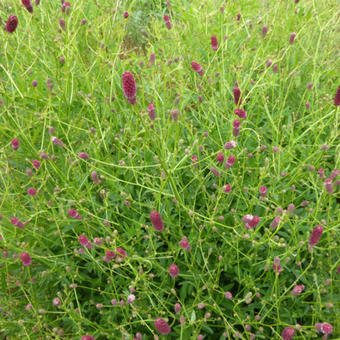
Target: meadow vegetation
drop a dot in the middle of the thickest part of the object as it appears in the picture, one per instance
(168, 169)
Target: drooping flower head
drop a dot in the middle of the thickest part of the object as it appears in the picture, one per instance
(12, 23)
(292, 37)
(197, 68)
(129, 87)
(156, 220)
(162, 326)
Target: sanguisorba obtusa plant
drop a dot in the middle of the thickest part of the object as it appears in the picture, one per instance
(169, 170)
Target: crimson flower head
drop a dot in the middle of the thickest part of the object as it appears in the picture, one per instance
(152, 58)
(173, 270)
(214, 43)
(83, 155)
(337, 97)
(292, 37)
(275, 222)
(288, 333)
(184, 243)
(87, 337)
(263, 190)
(151, 111)
(220, 157)
(250, 221)
(66, 7)
(197, 68)
(62, 23)
(230, 161)
(156, 220)
(36, 164)
(277, 268)
(326, 328)
(15, 144)
(15, 221)
(237, 95)
(236, 127)
(167, 22)
(31, 191)
(264, 30)
(227, 188)
(74, 214)
(28, 5)
(12, 23)
(315, 235)
(121, 253)
(241, 113)
(297, 290)
(162, 326)
(83, 240)
(25, 258)
(230, 145)
(215, 172)
(126, 14)
(129, 87)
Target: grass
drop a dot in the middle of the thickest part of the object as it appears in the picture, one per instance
(146, 165)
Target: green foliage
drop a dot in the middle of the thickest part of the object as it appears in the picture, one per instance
(146, 165)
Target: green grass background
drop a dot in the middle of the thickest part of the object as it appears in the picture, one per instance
(150, 166)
